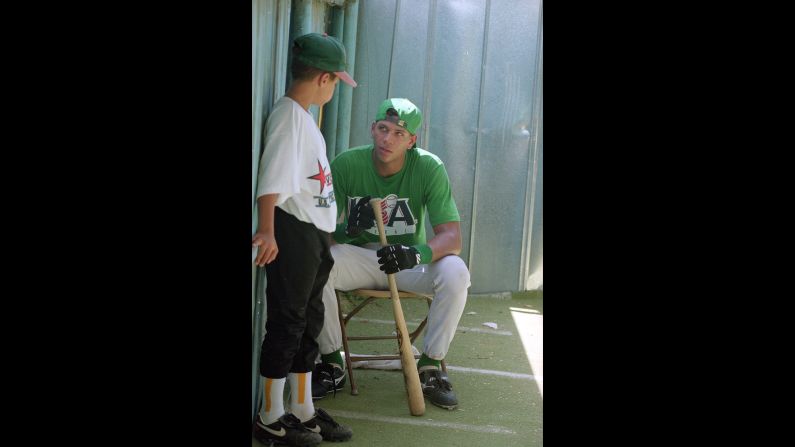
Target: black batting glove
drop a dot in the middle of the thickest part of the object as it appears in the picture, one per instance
(395, 258)
(360, 218)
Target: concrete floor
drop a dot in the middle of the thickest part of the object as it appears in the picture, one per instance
(496, 373)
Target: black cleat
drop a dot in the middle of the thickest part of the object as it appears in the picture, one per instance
(326, 378)
(328, 428)
(287, 430)
(437, 387)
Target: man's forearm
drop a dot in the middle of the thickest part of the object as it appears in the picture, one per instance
(447, 240)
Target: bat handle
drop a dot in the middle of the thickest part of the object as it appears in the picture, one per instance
(376, 205)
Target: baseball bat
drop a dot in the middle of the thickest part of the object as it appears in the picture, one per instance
(412, 378)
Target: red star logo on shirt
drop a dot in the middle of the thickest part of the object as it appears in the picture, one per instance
(320, 176)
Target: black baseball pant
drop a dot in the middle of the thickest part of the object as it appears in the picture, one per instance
(294, 296)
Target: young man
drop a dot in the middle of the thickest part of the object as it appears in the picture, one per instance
(410, 180)
(297, 213)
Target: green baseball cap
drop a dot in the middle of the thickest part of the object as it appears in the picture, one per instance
(408, 115)
(324, 52)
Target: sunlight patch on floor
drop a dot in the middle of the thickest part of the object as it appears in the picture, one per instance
(530, 325)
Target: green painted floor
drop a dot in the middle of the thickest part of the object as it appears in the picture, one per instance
(496, 373)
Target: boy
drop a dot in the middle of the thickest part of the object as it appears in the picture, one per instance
(297, 213)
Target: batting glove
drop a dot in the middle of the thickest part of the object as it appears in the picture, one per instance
(360, 218)
(395, 258)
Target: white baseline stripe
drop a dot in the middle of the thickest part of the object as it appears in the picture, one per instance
(483, 331)
(460, 328)
(495, 373)
(395, 365)
(434, 424)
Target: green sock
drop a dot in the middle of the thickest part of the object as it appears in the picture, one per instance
(428, 363)
(335, 358)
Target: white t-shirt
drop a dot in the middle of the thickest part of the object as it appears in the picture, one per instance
(294, 165)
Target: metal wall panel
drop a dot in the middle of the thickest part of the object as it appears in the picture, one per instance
(454, 102)
(373, 40)
(308, 16)
(471, 66)
(407, 69)
(535, 269)
(503, 145)
(534, 217)
(270, 25)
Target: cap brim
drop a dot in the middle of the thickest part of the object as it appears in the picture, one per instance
(346, 78)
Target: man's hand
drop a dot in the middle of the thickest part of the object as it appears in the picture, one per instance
(394, 258)
(360, 218)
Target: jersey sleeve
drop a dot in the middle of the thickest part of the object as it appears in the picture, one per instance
(439, 196)
(339, 173)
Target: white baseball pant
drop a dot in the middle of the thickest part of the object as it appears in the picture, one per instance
(447, 279)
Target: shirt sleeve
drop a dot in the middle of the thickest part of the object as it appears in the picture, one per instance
(439, 197)
(338, 173)
(278, 170)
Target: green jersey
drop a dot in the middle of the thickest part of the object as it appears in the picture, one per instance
(422, 185)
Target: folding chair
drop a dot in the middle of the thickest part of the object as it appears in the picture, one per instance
(370, 296)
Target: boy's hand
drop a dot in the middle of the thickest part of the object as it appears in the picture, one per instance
(267, 248)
